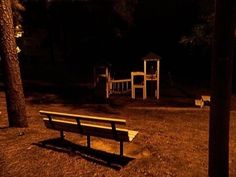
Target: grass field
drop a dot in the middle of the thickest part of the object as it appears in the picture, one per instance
(172, 141)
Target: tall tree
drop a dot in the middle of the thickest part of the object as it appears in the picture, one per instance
(221, 88)
(13, 84)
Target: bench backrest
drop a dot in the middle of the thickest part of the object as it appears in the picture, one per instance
(84, 117)
(54, 121)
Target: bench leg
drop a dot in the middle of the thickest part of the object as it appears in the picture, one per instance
(88, 141)
(121, 148)
(62, 134)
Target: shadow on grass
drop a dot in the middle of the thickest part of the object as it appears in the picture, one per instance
(41, 93)
(100, 157)
(3, 127)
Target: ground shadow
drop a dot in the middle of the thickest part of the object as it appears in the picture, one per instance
(51, 93)
(100, 157)
(103, 109)
(3, 127)
(60, 93)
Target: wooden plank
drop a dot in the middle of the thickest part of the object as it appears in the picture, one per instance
(138, 86)
(88, 129)
(199, 103)
(84, 117)
(121, 80)
(132, 134)
(138, 73)
(151, 77)
(206, 98)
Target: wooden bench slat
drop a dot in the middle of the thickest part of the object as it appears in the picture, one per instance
(88, 129)
(132, 134)
(84, 117)
(84, 124)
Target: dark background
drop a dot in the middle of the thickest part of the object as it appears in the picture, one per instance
(65, 39)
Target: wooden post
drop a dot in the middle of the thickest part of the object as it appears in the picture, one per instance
(114, 87)
(158, 79)
(132, 86)
(118, 87)
(145, 80)
(107, 82)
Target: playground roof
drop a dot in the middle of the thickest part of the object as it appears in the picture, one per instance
(151, 56)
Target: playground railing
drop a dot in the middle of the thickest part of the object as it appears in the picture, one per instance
(120, 86)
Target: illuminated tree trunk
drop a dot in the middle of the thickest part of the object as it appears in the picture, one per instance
(13, 85)
(221, 89)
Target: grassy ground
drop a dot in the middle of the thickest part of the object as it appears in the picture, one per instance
(171, 141)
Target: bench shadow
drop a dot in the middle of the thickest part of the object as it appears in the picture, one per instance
(100, 157)
(4, 127)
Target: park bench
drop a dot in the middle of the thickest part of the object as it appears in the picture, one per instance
(89, 126)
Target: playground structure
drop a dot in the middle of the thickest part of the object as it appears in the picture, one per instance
(146, 81)
(204, 100)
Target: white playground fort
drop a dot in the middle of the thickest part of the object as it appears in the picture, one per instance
(140, 80)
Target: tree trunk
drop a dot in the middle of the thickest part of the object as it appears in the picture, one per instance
(13, 84)
(221, 89)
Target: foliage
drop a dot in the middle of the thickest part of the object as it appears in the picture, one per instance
(125, 9)
(17, 8)
(202, 33)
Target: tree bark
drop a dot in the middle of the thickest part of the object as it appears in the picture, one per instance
(221, 89)
(13, 85)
